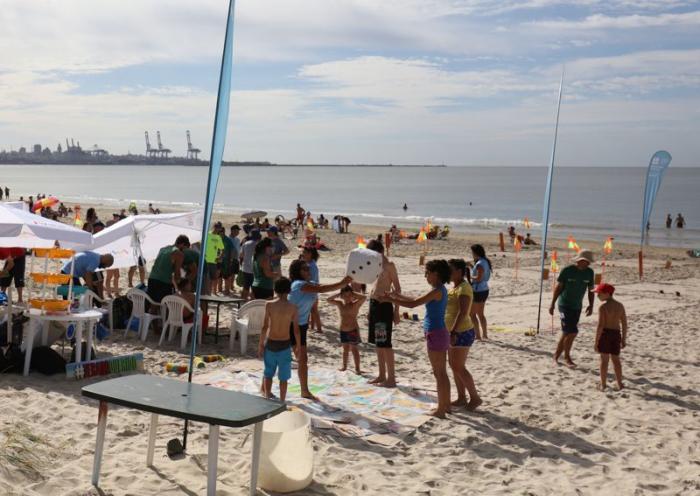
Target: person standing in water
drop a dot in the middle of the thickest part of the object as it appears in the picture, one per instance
(405, 207)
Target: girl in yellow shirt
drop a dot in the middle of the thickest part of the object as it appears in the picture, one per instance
(462, 334)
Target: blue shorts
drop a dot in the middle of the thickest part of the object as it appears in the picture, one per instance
(280, 361)
(462, 339)
(350, 337)
(569, 319)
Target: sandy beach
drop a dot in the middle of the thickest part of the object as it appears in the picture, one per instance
(541, 430)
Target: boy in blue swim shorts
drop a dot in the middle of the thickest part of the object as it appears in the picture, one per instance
(275, 347)
(349, 303)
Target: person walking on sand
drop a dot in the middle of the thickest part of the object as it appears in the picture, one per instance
(574, 282)
(462, 335)
(669, 221)
(437, 338)
(611, 334)
(383, 314)
(481, 273)
(303, 295)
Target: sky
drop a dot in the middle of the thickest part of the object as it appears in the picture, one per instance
(455, 82)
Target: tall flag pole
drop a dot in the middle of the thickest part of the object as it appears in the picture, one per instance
(655, 173)
(217, 152)
(547, 198)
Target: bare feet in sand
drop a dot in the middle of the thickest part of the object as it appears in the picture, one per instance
(358, 371)
(601, 387)
(438, 413)
(474, 404)
(620, 386)
(570, 363)
(342, 369)
(309, 396)
(460, 402)
(387, 384)
(377, 380)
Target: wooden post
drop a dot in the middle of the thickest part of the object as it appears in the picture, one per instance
(641, 263)
(501, 242)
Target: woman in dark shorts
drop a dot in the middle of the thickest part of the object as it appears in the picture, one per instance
(481, 273)
(263, 277)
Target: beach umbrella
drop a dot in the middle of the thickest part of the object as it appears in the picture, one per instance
(254, 214)
(22, 229)
(143, 236)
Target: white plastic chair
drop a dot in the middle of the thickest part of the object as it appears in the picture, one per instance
(87, 302)
(247, 320)
(173, 307)
(138, 310)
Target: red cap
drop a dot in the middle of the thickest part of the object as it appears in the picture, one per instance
(604, 288)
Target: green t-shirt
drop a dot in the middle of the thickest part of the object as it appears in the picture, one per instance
(163, 266)
(215, 245)
(576, 284)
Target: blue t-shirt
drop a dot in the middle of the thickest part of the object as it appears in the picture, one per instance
(435, 313)
(87, 261)
(303, 301)
(482, 285)
(313, 272)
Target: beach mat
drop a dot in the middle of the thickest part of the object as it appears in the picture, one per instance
(348, 406)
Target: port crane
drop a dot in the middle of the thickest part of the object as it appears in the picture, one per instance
(150, 152)
(191, 151)
(163, 151)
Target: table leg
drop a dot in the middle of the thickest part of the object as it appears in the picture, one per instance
(255, 462)
(29, 344)
(90, 329)
(216, 331)
(152, 439)
(101, 427)
(78, 342)
(213, 457)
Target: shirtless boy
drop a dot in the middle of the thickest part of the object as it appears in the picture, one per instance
(349, 303)
(276, 350)
(611, 335)
(383, 314)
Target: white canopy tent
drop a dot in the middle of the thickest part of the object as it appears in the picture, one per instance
(143, 235)
(22, 229)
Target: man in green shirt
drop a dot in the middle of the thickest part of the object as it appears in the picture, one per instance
(212, 257)
(165, 274)
(573, 283)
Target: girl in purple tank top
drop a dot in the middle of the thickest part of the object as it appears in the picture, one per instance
(437, 273)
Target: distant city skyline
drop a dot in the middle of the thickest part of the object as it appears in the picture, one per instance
(459, 82)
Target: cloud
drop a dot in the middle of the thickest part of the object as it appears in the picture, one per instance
(600, 22)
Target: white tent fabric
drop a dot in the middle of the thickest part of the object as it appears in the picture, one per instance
(22, 229)
(144, 235)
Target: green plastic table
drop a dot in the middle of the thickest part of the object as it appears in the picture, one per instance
(174, 398)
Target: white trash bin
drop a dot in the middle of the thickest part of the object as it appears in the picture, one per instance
(286, 454)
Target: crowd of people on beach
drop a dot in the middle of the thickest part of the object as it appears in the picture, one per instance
(455, 298)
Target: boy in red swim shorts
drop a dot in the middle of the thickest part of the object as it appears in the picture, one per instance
(611, 335)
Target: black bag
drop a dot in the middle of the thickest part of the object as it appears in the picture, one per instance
(121, 311)
(47, 361)
(17, 326)
(12, 361)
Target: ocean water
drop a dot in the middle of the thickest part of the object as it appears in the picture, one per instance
(586, 202)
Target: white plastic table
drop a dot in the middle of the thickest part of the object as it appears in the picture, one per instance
(82, 320)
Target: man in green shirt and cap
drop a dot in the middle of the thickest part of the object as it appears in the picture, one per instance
(573, 283)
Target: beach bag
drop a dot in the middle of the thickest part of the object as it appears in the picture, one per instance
(121, 311)
(47, 361)
(83, 353)
(12, 361)
(17, 330)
